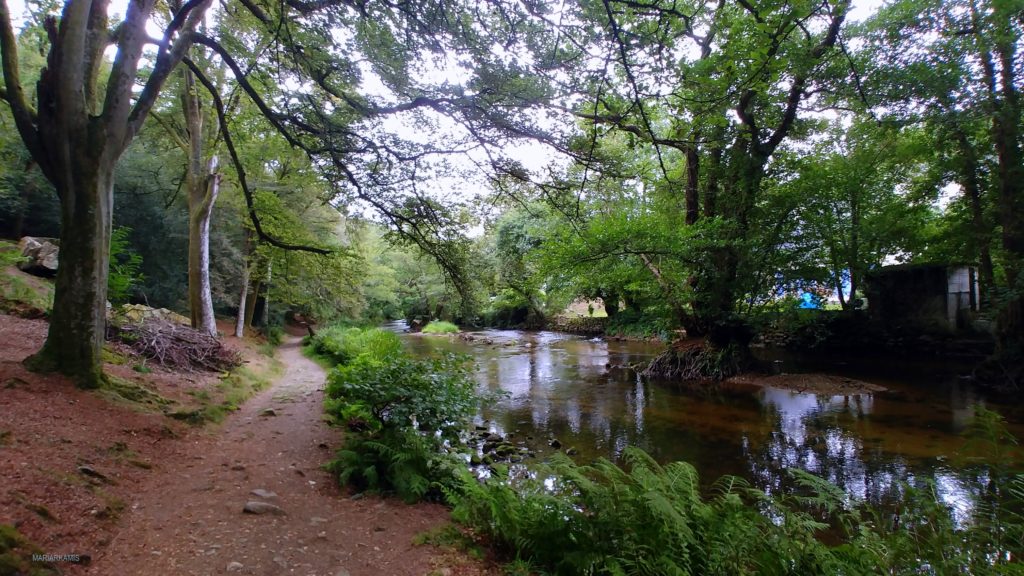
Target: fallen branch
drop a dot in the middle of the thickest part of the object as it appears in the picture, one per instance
(175, 346)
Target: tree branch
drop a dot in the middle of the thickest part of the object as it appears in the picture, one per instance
(14, 93)
(168, 56)
(240, 169)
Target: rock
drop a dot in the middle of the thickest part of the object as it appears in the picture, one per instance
(269, 412)
(572, 452)
(92, 473)
(139, 313)
(505, 450)
(263, 493)
(257, 507)
(555, 443)
(42, 254)
(234, 567)
(476, 460)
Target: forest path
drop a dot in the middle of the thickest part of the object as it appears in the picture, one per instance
(188, 517)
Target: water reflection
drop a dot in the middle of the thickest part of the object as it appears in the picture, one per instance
(571, 389)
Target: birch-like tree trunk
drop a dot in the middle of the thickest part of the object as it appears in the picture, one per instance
(203, 183)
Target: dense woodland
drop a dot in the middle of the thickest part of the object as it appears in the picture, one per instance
(693, 164)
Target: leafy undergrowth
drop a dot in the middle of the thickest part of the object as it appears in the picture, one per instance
(399, 412)
(440, 327)
(341, 344)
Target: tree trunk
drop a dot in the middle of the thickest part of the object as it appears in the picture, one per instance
(199, 290)
(78, 322)
(203, 188)
(250, 304)
(982, 232)
(266, 294)
(243, 301)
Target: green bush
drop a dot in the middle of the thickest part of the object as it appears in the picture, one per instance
(647, 323)
(124, 274)
(440, 327)
(274, 335)
(399, 411)
(398, 460)
(341, 344)
(394, 391)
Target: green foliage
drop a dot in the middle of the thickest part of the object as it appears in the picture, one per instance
(652, 321)
(399, 411)
(124, 267)
(645, 518)
(437, 394)
(440, 327)
(399, 460)
(341, 344)
(274, 335)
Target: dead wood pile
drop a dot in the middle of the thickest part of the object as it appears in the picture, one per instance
(177, 347)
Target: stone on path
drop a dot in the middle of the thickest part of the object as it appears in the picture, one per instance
(256, 507)
(263, 493)
(234, 567)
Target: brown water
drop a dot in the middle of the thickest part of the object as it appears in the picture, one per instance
(560, 387)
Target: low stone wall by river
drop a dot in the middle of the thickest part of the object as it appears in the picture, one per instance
(587, 325)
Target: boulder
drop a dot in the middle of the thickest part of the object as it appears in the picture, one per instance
(139, 313)
(42, 255)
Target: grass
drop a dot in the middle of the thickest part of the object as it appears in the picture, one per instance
(134, 394)
(440, 327)
(228, 395)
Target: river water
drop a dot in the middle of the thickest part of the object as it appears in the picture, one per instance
(560, 387)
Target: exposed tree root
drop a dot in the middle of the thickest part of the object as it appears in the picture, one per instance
(691, 361)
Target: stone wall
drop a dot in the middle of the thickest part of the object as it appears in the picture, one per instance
(587, 325)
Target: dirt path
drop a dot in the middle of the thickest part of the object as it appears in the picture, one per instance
(188, 518)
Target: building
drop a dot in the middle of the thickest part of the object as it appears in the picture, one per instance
(940, 297)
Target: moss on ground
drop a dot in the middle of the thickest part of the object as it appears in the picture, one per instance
(16, 555)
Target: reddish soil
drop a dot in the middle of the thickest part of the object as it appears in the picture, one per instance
(171, 496)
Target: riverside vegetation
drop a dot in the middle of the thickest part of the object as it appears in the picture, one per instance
(641, 517)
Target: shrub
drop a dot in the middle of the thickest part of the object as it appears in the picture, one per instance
(402, 461)
(440, 327)
(647, 323)
(400, 411)
(125, 262)
(341, 344)
(394, 391)
(274, 335)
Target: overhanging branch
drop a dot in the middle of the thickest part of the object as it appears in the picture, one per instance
(240, 169)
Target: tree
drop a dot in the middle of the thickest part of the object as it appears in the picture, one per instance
(959, 68)
(722, 85)
(75, 134)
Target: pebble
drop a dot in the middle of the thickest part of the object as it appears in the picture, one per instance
(234, 567)
(262, 493)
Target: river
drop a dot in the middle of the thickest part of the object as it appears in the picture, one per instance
(560, 387)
